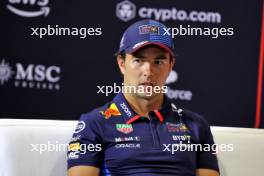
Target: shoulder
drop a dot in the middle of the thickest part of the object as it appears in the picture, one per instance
(91, 122)
(197, 124)
(95, 115)
(194, 117)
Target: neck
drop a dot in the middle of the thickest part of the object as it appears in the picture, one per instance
(143, 106)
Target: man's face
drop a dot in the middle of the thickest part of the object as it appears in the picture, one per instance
(147, 68)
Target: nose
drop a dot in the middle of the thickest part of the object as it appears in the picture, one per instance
(147, 69)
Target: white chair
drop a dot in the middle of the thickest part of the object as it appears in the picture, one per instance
(19, 158)
(19, 155)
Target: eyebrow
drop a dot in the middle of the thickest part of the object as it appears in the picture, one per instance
(160, 56)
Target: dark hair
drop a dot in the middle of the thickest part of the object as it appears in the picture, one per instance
(123, 54)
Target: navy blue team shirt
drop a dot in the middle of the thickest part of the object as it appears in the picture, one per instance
(120, 142)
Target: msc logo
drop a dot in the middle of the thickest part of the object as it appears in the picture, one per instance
(37, 73)
(31, 76)
(5, 72)
(39, 7)
(125, 10)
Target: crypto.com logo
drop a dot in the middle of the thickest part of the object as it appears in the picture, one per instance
(38, 7)
(125, 10)
(31, 75)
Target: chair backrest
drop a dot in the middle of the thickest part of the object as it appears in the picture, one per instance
(20, 140)
(247, 158)
(37, 148)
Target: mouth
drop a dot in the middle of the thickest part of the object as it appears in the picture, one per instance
(146, 84)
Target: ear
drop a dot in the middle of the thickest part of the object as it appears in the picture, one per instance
(121, 64)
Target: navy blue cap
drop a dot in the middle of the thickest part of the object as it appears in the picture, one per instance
(146, 32)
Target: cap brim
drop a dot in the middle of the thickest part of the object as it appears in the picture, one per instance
(133, 50)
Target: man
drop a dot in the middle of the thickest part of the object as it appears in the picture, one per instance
(139, 132)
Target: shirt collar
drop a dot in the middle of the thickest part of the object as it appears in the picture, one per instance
(131, 116)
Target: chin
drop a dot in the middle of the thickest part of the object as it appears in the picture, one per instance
(145, 96)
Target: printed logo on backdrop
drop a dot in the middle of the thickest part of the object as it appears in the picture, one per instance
(174, 93)
(5, 72)
(125, 10)
(29, 8)
(30, 75)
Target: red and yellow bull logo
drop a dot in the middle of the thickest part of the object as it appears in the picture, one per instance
(179, 127)
(111, 111)
(148, 29)
(75, 147)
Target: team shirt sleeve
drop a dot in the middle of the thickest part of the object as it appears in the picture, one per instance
(85, 147)
(207, 159)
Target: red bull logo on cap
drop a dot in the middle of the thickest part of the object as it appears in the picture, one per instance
(148, 29)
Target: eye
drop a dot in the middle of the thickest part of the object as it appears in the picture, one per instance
(159, 62)
(136, 60)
